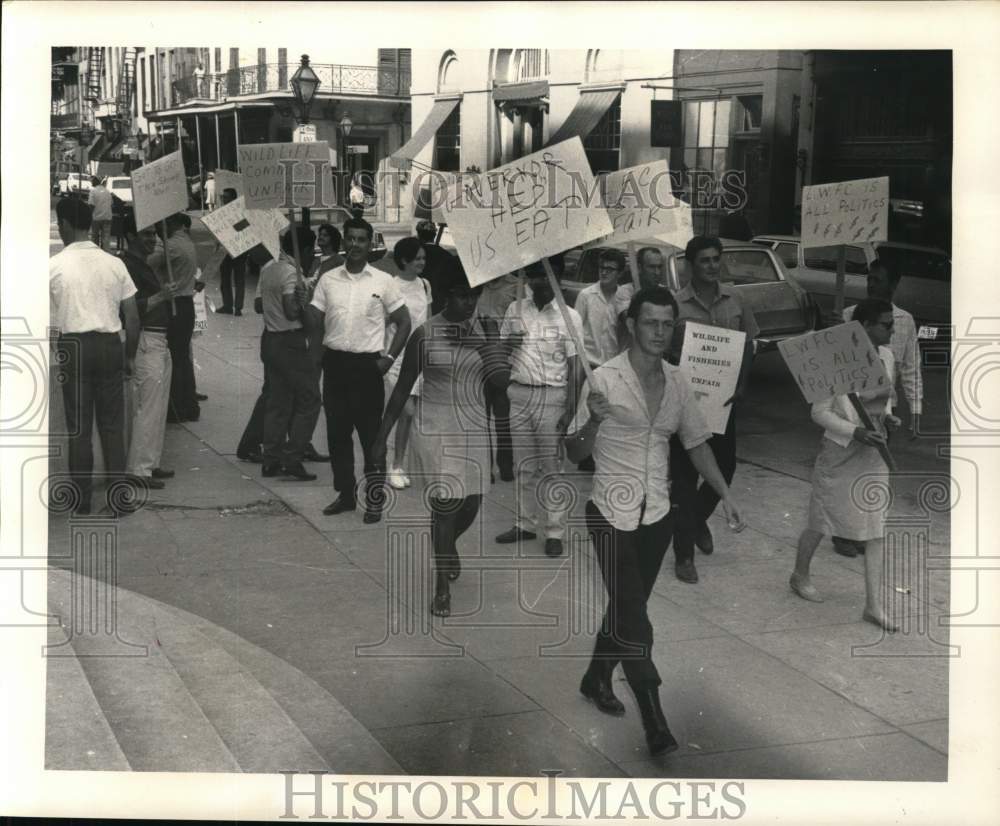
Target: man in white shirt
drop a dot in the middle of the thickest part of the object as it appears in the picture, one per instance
(100, 202)
(596, 306)
(636, 403)
(543, 394)
(350, 309)
(88, 289)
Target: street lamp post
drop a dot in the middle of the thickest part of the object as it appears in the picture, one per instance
(304, 84)
(345, 127)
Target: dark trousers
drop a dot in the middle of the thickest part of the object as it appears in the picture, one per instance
(292, 401)
(93, 385)
(353, 397)
(630, 562)
(498, 408)
(231, 272)
(694, 503)
(183, 402)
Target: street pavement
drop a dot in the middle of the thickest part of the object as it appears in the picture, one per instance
(252, 633)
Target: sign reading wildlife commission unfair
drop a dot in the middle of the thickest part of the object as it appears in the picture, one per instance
(159, 189)
(286, 175)
(833, 361)
(516, 214)
(850, 212)
(711, 360)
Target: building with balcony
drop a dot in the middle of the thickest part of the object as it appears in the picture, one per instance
(208, 101)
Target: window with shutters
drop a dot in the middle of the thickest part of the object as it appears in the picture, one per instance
(603, 144)
(394, 71)
(448, 143)
(531, 63)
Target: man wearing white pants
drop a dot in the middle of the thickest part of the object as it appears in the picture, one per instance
(543, 399)
(151, 378)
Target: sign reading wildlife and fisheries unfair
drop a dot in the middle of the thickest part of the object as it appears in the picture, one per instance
(516, 214)
(641, 205)
(850, 212)
(239, 229)
(224, 179)
(286, 175)
(834, 361)
(711, 361)
(159, 189)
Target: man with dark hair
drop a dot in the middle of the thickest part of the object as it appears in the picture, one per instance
(596, 306)
(292, 377)
(90, 292)
(349, 312)
(636, 404)
(232, 270)
(706, 300)
(151, 377)
(652, 272)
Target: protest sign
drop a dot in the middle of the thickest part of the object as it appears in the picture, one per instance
(710, 360)
(286, 175)
(523, 211)
(849, 212)
(641, 206)
(159, 189)
(224, 179)
(833, 361)
(239, 229)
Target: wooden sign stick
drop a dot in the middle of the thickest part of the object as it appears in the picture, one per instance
(866, 420)
(633, 261)
(295, 244)
(570, 326)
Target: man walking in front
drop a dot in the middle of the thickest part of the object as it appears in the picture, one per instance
(100, 200)
(90, 292)
(350, 310)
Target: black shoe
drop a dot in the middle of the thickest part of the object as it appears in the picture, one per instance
(515, 534)
(238, 312)
(270, 469)
(372, 515)
(507, 474)
(339, 505)
(250, 456)
(658, 736)
(313, 456)
(160, 473)
(596, 686)
(151, 483)
(553, 547)
(703, 539)
(300, 473)
(201, 397)
(224, 310)
(686, 572)
(845, 547)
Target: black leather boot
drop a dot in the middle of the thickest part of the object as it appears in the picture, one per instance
(658, 736)
(596, 686)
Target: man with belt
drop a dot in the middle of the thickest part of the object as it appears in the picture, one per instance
(90, 291)
(349, 312)
(183, 269)
(292, 399)
(543, 398)
(151, 377)
(706, 300)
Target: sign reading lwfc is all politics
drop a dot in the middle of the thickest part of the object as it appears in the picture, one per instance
(711, 360)
(849, 212)
(159, 189)
(286, 175)
(834, 361)
(518, 213)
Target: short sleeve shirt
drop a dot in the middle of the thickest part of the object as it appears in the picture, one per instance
(183, 263)
(86, 288)
(542, 357)
(355, 307)
(727, 310)
(277, 279)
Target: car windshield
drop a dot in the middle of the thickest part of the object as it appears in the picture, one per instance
(917, 263)
(121, 185)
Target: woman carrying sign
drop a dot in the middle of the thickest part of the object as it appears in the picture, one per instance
(848, 455)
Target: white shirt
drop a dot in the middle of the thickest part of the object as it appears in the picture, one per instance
(600, 323)
(547, 346)
(277, 279)
(100, 200)
(355, 308)
(416, 296)
(86, 288)
(632, 447)
(906, 353)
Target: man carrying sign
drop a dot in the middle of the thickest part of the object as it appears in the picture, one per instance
(708, 301)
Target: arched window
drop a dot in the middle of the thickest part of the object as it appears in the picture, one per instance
(530, 64)
(605, 65)
(448, 81)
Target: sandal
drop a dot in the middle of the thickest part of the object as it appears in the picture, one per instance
(804, 589)
(441, 605)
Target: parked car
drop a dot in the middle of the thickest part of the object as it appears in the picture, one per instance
(782, 308)
(924, 288)
(337, 216)
(120, 187)
(75, 182)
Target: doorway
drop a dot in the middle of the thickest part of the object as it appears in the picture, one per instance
(361, 158)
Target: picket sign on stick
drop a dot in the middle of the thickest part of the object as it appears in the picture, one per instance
(295, 245)
(866, 420)
(570, 326)
(633, 261)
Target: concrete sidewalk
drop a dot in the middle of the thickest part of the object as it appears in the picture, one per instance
(271, 629)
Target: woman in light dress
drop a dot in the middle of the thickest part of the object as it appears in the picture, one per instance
(849, 458)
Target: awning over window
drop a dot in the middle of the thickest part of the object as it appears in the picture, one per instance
(589, 109)
(403, 157)
(529, 91)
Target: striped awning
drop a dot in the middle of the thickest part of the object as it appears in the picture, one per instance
(403, 157)
(525, 92)
(589, 109)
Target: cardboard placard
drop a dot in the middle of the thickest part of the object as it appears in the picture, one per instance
(641, 205)
(710, 360)
(224, 179)
(239, 229)
(834, 361)
(286, 175)
(849, 212)
(159, 189)
(523, 211)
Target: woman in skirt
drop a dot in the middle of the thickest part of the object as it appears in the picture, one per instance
(848, 455)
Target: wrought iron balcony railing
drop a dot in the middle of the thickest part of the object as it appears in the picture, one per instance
(275, 77)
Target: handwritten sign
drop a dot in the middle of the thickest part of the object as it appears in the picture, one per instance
(224, 179)
(286, 175)
(850, 212)
(516, 214)
(641, 206)
(833, 361)
(159, 189)
(711, 359)
(239, 229)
